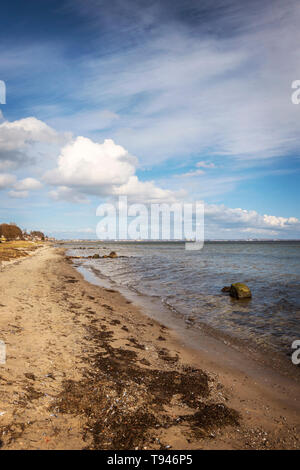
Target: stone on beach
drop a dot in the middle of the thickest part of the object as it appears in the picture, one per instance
(240, 291)
(112, 254)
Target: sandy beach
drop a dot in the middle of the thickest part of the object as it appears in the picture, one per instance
(87, 369)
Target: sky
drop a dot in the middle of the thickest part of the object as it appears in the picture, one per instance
(162, 101)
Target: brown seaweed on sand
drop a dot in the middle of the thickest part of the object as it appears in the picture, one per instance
(126, 405)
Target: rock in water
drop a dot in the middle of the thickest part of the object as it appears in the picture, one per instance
(113, 254)
(240, 291)
(96, 256)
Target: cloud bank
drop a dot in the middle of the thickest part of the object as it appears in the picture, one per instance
(87, 169)
(250, 222)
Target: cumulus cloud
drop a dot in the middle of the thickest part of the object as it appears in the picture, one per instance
(106, 169)
(17, 133)
(19, 189)
(92, 166)
(249, 221)
(282, 222)
(147, 192)
(28, 184)
(17, 138)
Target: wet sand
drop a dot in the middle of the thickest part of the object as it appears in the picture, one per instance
(87, 369)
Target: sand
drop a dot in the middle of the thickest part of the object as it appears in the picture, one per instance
(87, 369)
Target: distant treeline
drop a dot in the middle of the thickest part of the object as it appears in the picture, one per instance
(13, 232)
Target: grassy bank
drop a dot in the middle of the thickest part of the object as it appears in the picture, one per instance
(17, 249)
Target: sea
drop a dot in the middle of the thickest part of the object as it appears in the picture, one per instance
(189, 283)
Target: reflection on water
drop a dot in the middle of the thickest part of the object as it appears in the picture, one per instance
(191, 281)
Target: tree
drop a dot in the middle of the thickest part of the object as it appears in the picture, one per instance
(37, 234)
(10, 231)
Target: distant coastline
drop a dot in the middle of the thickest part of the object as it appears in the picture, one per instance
(210, 240)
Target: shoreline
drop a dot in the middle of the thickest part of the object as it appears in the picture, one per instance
(249, 327)
(86, 368)
(201, 336)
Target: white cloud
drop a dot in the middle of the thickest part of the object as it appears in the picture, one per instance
(280, 222)
(248, 221)
(107, 169)
(17, 139)
(28, 184)
(147, 192)
(15, 135)
(92, 166)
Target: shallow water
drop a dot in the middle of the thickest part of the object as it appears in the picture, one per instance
(190, 282)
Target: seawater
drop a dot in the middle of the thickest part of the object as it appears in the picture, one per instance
(190, 283)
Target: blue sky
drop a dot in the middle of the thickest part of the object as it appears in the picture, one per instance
(162, 101)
